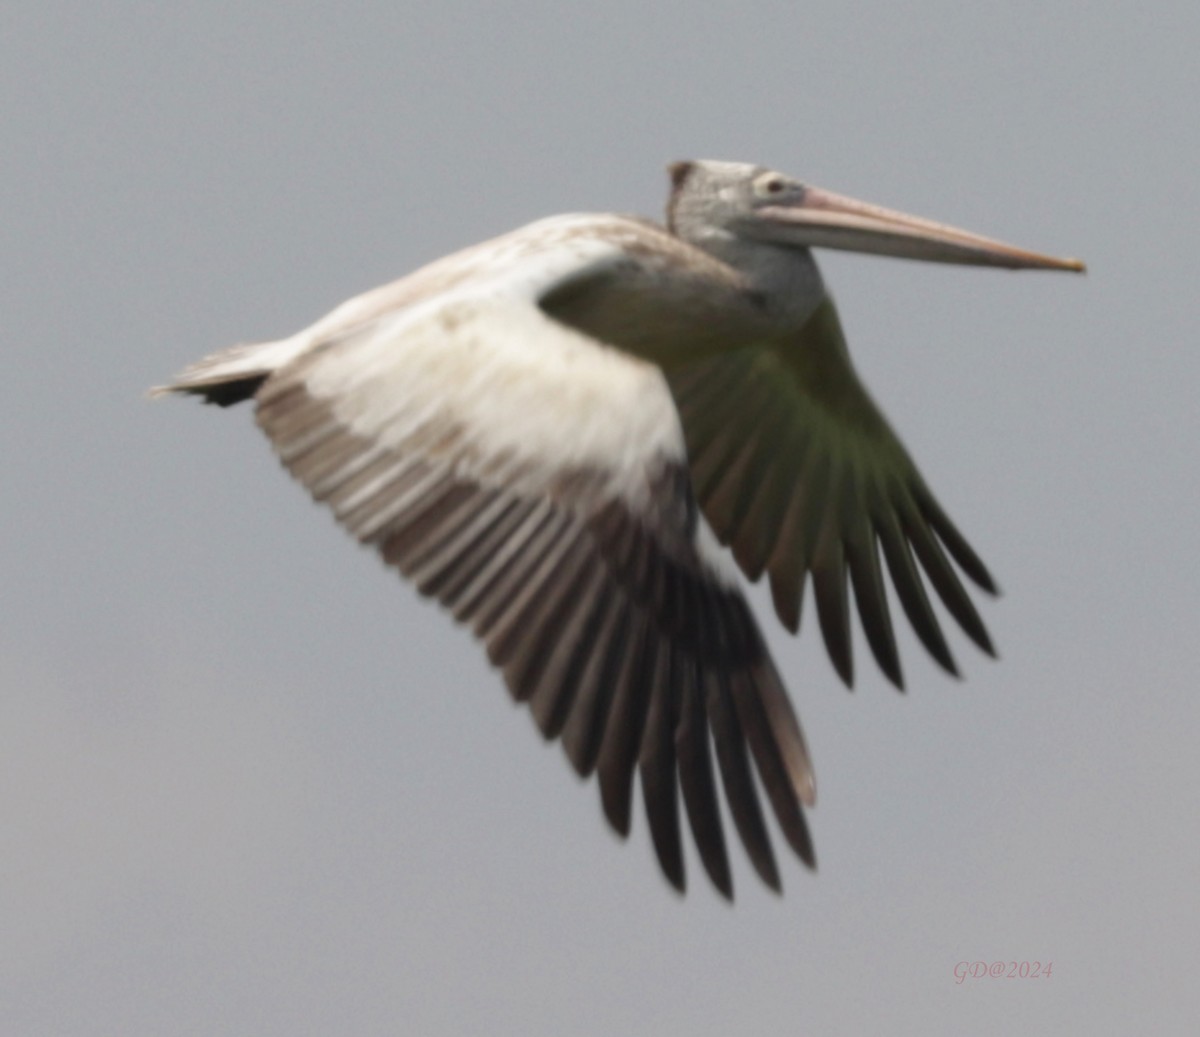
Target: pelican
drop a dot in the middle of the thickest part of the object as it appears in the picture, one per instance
(562, 434)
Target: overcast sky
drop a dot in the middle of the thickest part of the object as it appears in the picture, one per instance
(251, 784)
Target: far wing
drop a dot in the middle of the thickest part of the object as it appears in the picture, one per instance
(797, 470)
(534, 483)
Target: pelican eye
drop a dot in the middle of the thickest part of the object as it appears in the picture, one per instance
(772, 184)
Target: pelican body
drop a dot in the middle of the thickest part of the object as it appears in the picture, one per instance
(562, 434)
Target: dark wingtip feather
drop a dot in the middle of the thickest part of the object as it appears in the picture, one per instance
(947, 665)
(834, 619)
(955, 542)
(722, 880)
(888, 658)
(657, 767)
(911, 592)
(944, 579)
(871, 597)
(801, 842)
(740, 793)
(786, 597)
(618, 814)
(696, 779)
(977, 632)
(779, 753)
(624, 728)
(583, 735)
(616, 800)
(828, 568)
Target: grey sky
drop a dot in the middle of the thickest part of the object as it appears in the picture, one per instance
(251, 784)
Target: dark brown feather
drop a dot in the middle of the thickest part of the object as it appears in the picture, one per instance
(943, 578)
(738, 781)
(870, 594)
(623, 732)
(524, 641)
(757, 700)
(584, 732)
(570, 651)
(696, 781)
(657, 767)
(829, 590)
(911, 590)
(955, 542)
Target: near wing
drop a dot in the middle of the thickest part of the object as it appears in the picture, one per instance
(797, 470)
(535, 483)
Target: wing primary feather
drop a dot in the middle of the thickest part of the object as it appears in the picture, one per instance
(573, 643)
(779, 753)
(829, 589)
(911, 590)
(656, 763)
(862, 557)
(943, 578)
(584, 731)
(955, 542)
(764, 523)
(696, 780)
(538, 620)
(787, 594)
(738, 780)
(731, 496)
(788, 564)
(520, 583)
(626, 723)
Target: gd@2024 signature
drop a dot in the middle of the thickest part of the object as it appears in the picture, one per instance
(1002, 970)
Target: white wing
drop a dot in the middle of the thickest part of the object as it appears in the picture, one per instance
(535, 483)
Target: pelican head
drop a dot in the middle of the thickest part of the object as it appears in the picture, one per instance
(722, 206)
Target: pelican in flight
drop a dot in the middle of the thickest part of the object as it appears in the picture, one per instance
(560, 435)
